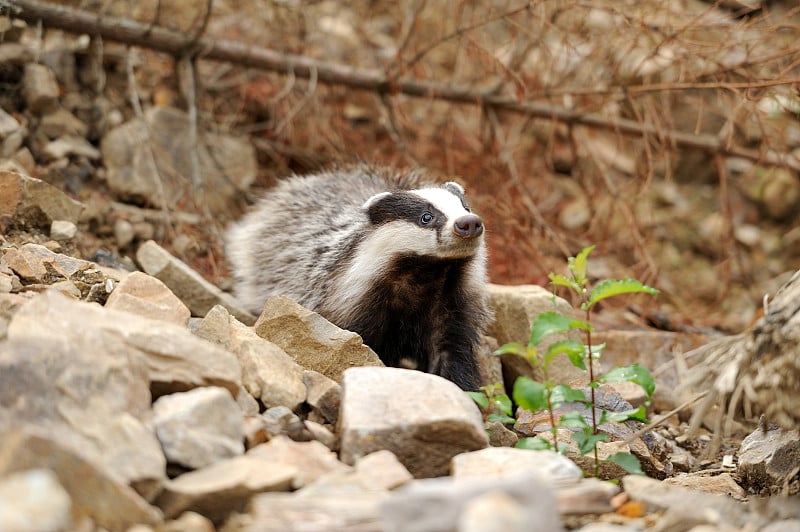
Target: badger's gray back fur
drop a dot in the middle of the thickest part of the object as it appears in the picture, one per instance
(375, 252)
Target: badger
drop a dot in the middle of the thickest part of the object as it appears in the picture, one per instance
(387, 254)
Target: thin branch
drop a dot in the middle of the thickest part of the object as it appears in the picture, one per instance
(177, 44)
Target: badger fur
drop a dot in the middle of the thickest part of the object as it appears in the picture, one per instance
(391, 256)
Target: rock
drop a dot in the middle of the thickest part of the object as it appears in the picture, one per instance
(34, 500)
(280, 421)
(268, 373)
(97, 401)
(39, 88)
(311, 459)
(279, 512)
(382, 470)
(225, 487)
(227, 163)
(95, 494)
(35, 263)
(780, 192)
(61, 230)
(319, 432)
(8, 125)
(314, 342)
(14, 53)
(495, 511)
(187, 522)
(31, 202)
(549, 466)
(124, 232)
(423, 419)
(255, 431)
(439, 504)
(719, 511)
(722, 484)
(199, 427)
(768, 459)
(500, 435)
(197, 293)
(70, 145)
(146, 296)
(60, 123)
(176, 360)
(515, 308)
(324, 395)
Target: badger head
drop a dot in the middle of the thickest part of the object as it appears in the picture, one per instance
(431, 222)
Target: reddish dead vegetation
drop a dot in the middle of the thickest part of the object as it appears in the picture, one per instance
(664, 132)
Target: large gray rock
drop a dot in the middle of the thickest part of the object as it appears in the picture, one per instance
(768, 459)
(314, 342)
(515, 308)
(94, 492)
(268, 373)
(34, 500)
(96, 400)
(443, 504)
(149, 160)
(199, 427)
(176, 360)
(423, 419)
(197, 293)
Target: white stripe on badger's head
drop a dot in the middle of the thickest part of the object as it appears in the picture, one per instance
(422, 222)
(412, 222)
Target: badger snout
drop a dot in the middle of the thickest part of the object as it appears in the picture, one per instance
(468, 226)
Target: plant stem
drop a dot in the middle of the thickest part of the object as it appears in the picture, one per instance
(591, 386)
(553, 430)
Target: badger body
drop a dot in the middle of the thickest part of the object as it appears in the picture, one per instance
(392, 256)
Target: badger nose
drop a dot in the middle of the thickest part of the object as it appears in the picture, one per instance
(468, 226)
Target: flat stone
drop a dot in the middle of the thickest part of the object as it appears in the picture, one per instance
(268, 373)
(553, 467)
(146, 296)
(96, 401)
(722, 484)
(31, 202)
(199, 427)
(197, 293)
(311, 459)
(61, 230)
(94, 493)
(441, 421)
(225, 487)
(382, 470)
(60, 123)
(441, 503)
(324, 395)
(768, 459)
(314, 342)
(149, 160)
(39, 88)
(176, 360)
(70, 145)
(34, 500)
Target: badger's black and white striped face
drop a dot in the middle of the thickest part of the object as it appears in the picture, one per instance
(431, 222)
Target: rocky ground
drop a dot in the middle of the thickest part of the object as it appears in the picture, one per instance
(136, 395)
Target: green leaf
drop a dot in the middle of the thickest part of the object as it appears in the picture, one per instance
(529, 394)
(514, 348)
(574, 349)
(564, 394)
(573, 420)
(535, 444)
(502, 418)
(560, 280)
(577, 265)
(633, 373)
(628, 462)
(552, 322)
(587, 441)
(614, 287)
(480, 399)
(502, 403)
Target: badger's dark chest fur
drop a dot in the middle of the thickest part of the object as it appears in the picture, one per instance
(417, 315)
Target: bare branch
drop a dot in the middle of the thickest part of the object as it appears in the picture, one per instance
(177, 44)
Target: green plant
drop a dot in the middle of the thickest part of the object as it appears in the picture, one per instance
(495, 403)
(547, 395)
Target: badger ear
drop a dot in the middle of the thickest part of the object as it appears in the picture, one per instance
(374, 199)
(454, 187)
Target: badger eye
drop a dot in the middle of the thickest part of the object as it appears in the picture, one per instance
(426, 218)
